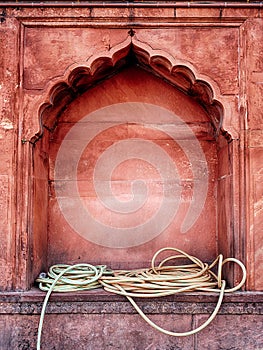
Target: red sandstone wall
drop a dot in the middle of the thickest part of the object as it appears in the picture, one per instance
(41, 52)
(37, 47)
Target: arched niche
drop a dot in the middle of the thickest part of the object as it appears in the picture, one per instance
(184, 121)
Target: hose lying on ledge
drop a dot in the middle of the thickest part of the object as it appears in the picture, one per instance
(156, 281)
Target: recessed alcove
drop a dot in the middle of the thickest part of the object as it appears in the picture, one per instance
(132, 116)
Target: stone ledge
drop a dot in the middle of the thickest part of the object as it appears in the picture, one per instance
(131, 11)
(100, 302)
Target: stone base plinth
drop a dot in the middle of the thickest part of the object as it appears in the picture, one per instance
(98, 320)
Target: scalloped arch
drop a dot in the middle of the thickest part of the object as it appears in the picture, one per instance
(79, 77)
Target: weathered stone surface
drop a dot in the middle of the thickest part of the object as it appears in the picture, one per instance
(56, 50)
(93, 332)
(255, 72)
(118, 326)
(231, 332)
(258, 234)
(197, 12)
(60, 64)
(8, 89)
(240, 13)
(132, 85)
(200, 47)
(100, 302)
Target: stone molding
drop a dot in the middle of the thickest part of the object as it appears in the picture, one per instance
(30, 303)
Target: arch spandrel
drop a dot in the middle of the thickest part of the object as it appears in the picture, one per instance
(79, 77)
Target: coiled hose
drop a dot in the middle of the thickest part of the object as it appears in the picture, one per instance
(156, 281)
